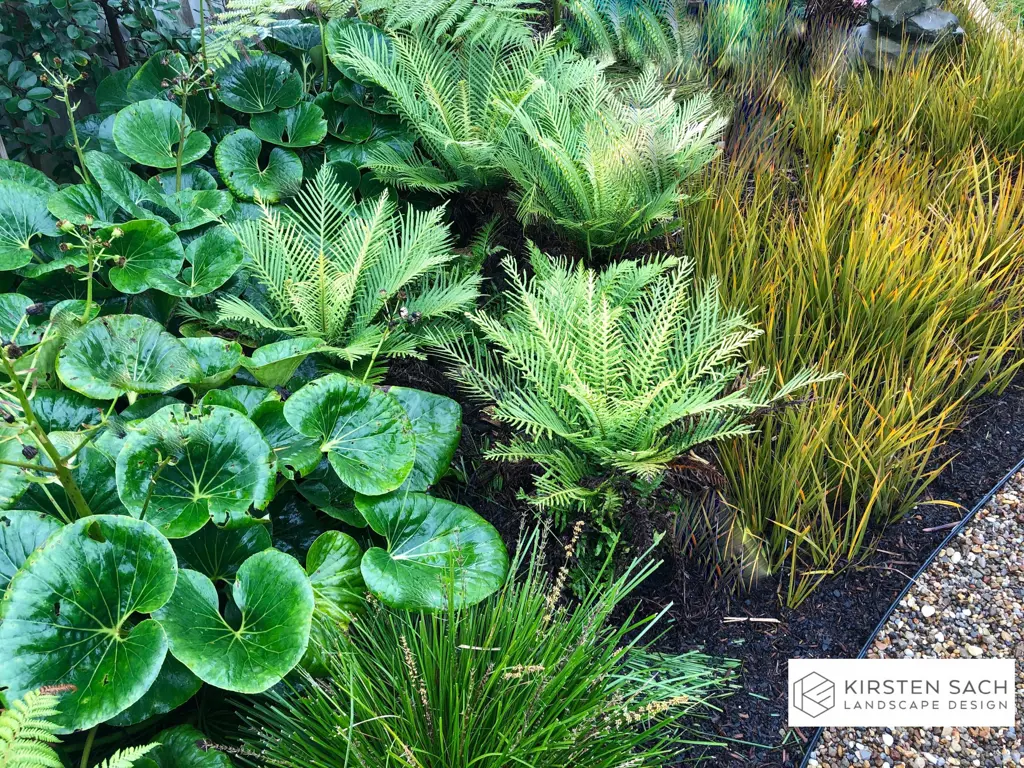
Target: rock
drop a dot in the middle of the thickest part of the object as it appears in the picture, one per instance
(974, 650)
(881, 52)
(887, 739)
(890, 14)
(928, 610)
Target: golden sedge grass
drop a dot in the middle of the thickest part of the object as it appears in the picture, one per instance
(881, 234)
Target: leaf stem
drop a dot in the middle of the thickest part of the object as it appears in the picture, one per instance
(181, 140)
(323, 53)
(84, 762)
(64, 475)
(202, 34)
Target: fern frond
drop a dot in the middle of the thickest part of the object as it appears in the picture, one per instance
(26, 732)
(610, 375)
(125, 758)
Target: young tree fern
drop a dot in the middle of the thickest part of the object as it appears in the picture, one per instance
(361, 277)
(452, 95)
(608, 168)
(637, 33)
(612, 375)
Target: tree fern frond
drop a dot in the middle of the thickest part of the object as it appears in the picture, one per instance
(125, 758)
(27, 731)
(611, 374)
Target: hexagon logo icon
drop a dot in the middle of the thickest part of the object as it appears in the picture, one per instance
(814, 694)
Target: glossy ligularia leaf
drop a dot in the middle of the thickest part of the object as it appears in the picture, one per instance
(148, 81)
(324, 490)
(23, 217)
(213, 258)
(275, 605)
(69, 617)
(364, 432)
(259, 84)
(93, 471)
(242, 397)
(13, 480)
(144, 246)
(338, 592)
(295, 525)
(22, 532)
(187, 464)
(81, 204)
(194, 207)
(293, 451)
(11, 170)
(439, 553)
(301, 126)
(193, 178)
(238, 160)
(145, 407)
(333, 567)
(120, 185)
(173, 687)
(346, 173)
(371, 97)
(61, 410)
(437, 425)
(96, 132)
(29, 328)
(183, 747)
(218, 358)
(218, 551)
(121, 354)
(295, 33)
(112, 91)
(148, 132)
(273, 364)
(357, 125)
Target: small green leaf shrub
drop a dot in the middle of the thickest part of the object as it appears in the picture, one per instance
(611, 376)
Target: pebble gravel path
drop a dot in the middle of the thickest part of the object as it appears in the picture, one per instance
(969, 603)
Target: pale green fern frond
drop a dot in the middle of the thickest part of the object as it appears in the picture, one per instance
(125, 758)
(609, 377)
(27, 731)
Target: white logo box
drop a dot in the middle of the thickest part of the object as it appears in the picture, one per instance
(916, 693)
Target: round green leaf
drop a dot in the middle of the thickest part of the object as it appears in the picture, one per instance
(187, 464)
(218, 551)
(23, 216)
(173, 687)
(346, 173)
(364, 432)
(259, 84)
(148, 132)
(338, 592)
(437, 425)
(438, 552)
(239, 163)
(191, 178)
(275, 603)
(121, 354)
(61, 410)
(293, 451)
(213, 258)
(182, 747)
(112, 91)
(333, 567)
(120, 185)
(218, 358)
(294, 524)
(13, 480)
(30, 328)
(93, 471)
(144, 246)
(11, 170)
(301, 126)
(21, 533)
(324, 490)
(147, 82)
(78, 201)
(298, 34)
(357, 125)
(273, 364)
(242, 397)
(194, 207)
(67, 617)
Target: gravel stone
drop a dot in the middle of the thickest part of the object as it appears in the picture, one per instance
(969, 603)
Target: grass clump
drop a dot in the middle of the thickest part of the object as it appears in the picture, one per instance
(519, 679)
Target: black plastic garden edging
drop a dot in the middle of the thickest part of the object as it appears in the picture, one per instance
(913, 580)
